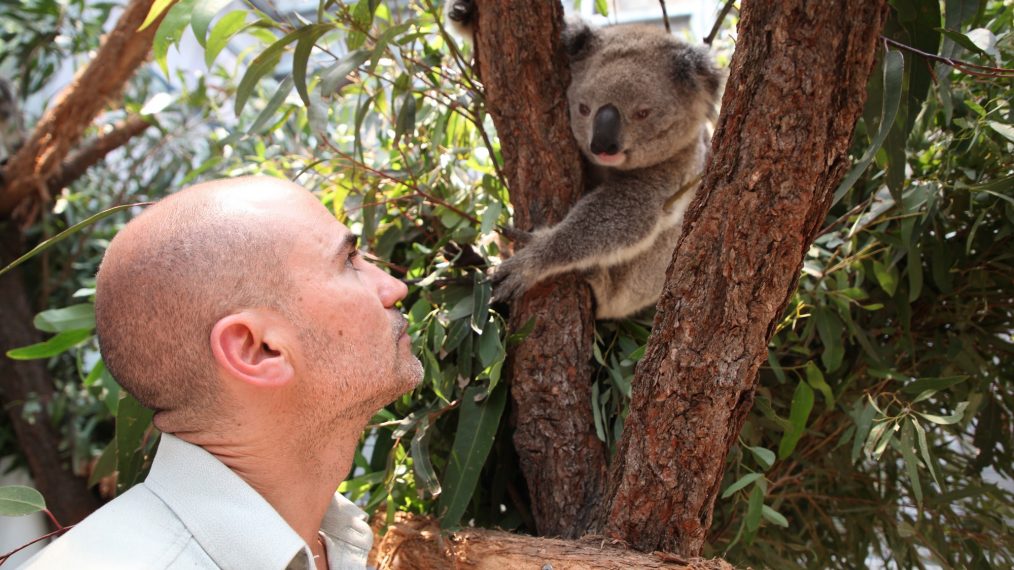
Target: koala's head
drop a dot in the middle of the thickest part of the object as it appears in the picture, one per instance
(637, 96)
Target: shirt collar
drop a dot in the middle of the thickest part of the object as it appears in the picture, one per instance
(234, 524)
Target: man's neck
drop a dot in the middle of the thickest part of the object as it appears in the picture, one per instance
(299, 482)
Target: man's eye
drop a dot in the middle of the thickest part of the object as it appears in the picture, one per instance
(351, 259)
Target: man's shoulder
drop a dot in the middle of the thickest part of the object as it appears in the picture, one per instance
(135, 530)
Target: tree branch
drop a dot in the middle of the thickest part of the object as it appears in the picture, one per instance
(84, 158)
(63, 124)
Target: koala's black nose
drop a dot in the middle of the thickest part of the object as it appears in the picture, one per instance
(606, 131)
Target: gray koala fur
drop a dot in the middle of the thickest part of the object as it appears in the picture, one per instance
(639, 102)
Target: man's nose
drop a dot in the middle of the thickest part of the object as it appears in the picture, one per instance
(390, 289)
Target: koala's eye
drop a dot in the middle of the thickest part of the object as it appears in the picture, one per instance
(584, 110)
(642, 114)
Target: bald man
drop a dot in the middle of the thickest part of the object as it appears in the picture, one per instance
(242, 313)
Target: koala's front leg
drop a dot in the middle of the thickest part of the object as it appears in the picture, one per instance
(606, 227)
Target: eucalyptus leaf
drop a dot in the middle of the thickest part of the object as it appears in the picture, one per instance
(477, 425)
(19, 500)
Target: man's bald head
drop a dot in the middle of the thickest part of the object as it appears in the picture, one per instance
(172, 273)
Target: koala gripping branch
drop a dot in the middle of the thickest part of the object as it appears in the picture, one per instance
(796, 89)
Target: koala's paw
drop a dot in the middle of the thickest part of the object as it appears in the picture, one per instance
(509, 279)
(519, 237)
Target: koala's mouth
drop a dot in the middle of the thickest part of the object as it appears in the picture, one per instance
(604, 159)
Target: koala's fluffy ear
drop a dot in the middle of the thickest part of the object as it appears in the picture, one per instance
(693, 68)
(579, 39)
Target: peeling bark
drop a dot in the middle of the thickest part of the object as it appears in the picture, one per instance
(796, 90)
(525, 73)
(416, 543)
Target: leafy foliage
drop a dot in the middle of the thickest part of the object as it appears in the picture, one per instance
(881, 432)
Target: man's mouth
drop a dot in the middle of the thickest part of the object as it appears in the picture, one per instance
(401, 327)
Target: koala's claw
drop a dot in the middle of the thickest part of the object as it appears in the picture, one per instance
(519, 237)
(508, 280)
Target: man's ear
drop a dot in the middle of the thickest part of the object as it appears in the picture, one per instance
(250, 347)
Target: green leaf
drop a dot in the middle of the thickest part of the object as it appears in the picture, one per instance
(894, 73)
(335, 77)
(600, 429)
(157, 8)
(1004, 129)
(170, 31)
(477, 427)
(755, 510)
(962, 40)
(67, 233)
(132, 421)
(204, 11)
(602, 7)
(308, 36)
(774, 516)
(106, 464)
(68, 318)
(55, 345)
(954, 418)
(829, 328)
(924, 449)
(263, 119)
(935, 384)
(764, 456)
(802, 403)
(406, 118)
(262, 65)
(911, 463)
(228, 26)
(863, 425)
(18, 500)
(480, 302)
(741, 483)
(887, 277)
(426, 477)
(816, 380)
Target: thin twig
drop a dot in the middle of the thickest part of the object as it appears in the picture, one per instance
(665, 17)
(958, 64)
(718, 22)
(56, 532)
(406, 183)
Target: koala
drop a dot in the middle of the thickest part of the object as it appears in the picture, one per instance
(640, 104)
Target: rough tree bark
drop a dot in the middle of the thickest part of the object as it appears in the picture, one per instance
(525, 74)
(796, 90)
(29, 174)
(416, 543)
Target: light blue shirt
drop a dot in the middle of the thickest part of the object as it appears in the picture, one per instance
(194, 512)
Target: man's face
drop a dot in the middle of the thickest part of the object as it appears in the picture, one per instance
(355, 352)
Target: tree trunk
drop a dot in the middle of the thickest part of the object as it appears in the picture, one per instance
(65, 494)
(796, 90)
(525, 73)
(416, 543)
